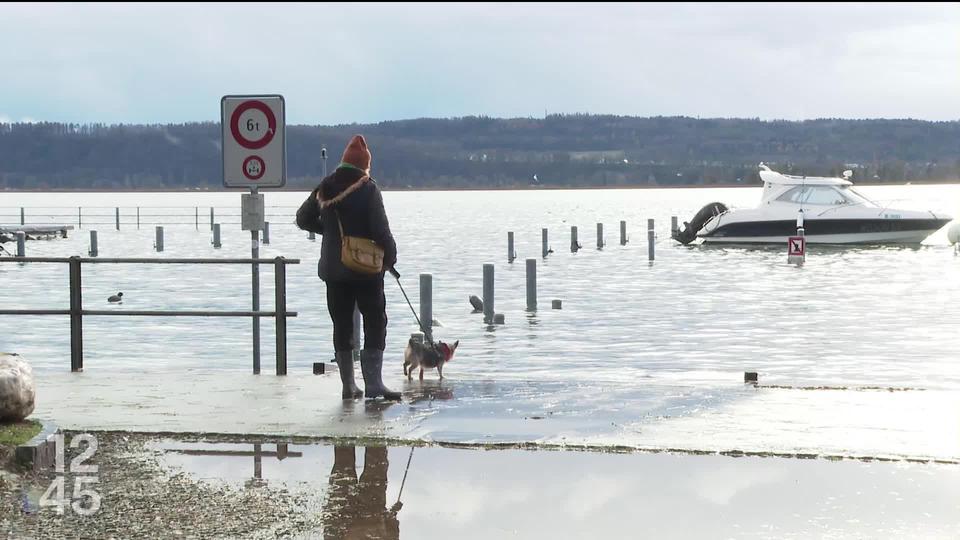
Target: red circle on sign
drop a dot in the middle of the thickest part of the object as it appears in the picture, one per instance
(235, 124)
(256, 161)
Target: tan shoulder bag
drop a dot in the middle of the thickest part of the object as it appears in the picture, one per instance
(359, 254)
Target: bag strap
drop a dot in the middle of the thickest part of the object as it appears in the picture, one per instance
(343, 194)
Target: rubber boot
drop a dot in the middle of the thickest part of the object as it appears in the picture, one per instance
(371, 365)
(345, 367)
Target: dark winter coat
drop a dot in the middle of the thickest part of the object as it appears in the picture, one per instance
(360, 206)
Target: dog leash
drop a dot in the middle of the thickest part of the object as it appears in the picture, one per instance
(426, 334)
(409, 459)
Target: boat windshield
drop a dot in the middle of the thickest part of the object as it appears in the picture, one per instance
(855, 196)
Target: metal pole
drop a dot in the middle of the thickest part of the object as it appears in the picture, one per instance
(487, 293)
(138, 218)
(79, 217)
(280, 288)
(544, 249)
(574, 245)
(255, 286)
(531, 284)
(266, 232)
(623, 233)
(651, 237)
(196, 216)
(158, 243)
(76, 316)
(21, 244)
(674, 226)
(93, 243)
(511, 255)
(211, 212)
(600, 236)
(426, 303)
(216, 237)
(23, 218)
(118, 218)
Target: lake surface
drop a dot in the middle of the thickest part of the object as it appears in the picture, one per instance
(634, 341)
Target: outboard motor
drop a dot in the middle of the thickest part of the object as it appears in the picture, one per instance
(690, 229)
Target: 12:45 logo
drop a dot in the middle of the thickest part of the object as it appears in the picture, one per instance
(85, 500)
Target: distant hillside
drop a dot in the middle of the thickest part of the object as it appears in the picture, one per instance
(561, 150)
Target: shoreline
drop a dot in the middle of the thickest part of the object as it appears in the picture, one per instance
(465, 189)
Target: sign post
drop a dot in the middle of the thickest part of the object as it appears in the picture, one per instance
(253, 142)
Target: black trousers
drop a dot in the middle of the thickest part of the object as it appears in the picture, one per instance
(368, 296)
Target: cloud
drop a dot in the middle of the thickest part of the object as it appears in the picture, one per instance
(342, 63)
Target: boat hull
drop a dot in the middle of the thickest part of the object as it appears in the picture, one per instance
(827, 231)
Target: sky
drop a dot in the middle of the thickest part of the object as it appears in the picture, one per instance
(346, 63)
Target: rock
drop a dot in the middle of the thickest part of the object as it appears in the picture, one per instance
(17, 390)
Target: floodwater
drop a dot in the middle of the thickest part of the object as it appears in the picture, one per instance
(639, 351)
(393, 492)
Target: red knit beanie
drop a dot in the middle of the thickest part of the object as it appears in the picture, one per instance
(357, 153)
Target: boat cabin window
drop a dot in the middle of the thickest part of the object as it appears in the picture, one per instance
(817, 195)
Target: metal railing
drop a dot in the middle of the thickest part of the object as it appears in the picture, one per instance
(76, 311)
(133, 216)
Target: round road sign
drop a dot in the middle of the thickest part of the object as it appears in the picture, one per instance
(253, 168)
(253, 125)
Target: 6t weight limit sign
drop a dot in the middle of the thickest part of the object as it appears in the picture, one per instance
(253, 142)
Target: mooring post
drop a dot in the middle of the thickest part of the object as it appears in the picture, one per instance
(79, 217)
(93, 243)
(574, 244)
(21, 244)
(280, 289)
(216, 235)
(76, 316)
(118, 218)
(651, 238)
(511, 254)
(196, 217)
(623, 233)
(600, 236)
(23, 216)
(674, 226)
(531, 284)
(488, 293)
(426, 304)
(357, 332)
(544, 248)
(158, 243)
(211, 218)
(138, 218)
(266, 232)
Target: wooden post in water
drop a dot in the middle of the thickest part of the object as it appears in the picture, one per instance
(159, 239)
(511, 254)
(211, 218)
(531, 284)
(544, 249)
(600, 243)
(426, 304)
(488, 293)
(21, 244)
(216, 235)
(266, 232)
(93, 244)
(651, 238)
(23, 218)
(623, 233)
(674, 226)
(574, 244)
(118, 218)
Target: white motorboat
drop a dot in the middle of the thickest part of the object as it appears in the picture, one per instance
(833, 213)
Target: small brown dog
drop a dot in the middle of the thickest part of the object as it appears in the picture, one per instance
(422, 355)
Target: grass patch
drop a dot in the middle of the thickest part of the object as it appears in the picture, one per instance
(17, 433)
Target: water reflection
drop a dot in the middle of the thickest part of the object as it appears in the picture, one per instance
(357, 507)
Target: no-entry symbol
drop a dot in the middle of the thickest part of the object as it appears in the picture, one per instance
(253, 142)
